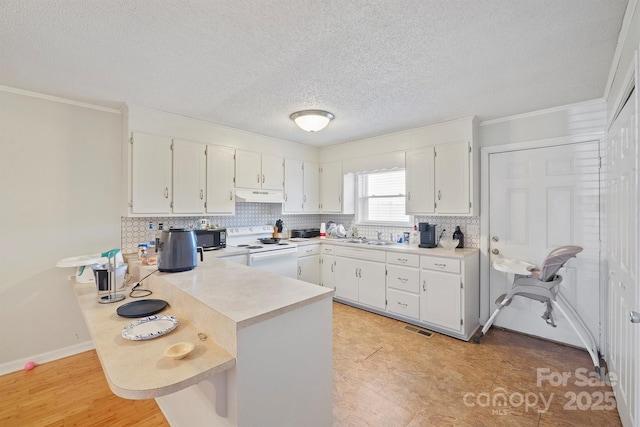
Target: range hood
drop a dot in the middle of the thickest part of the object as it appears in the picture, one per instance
(259, 196)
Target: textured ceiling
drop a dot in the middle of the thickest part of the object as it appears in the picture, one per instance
(379, 66)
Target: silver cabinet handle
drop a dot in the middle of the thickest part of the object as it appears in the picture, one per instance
(360, 273)
(402, 304)
(495, 251)
(439, 194)
(332, 267)
(356, 272)
(409, 196)
(440, 265)
(634, 316)
(258, 178)
(299, 271)
(166, 192)
(403, 279)
(263, 178)
(424, 282)
(285, 197)
(230, 195)
(201, 194)
(495, 239)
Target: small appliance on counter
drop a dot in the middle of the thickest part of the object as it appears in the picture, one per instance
(178, 250)
(106, 276)
(306, 233)
(211, 239)
(427, 235)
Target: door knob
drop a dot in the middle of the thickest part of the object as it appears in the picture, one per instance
(634, 316)
(495, 251)
(495, 239)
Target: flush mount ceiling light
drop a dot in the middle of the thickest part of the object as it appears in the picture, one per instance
(312, 120)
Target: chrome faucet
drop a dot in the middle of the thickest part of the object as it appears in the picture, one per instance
(379, 235)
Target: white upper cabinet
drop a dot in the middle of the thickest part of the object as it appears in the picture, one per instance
(337, 192)
(189, 177)
(452, 183)
(248, 169)
(439, 180)
(272, 172)
(293, 186)
(420, 165)
(301, 187)
(220, 188)
(259, 171)
(151, 174)
(311, 187)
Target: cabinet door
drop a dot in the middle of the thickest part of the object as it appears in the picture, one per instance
(309, 269)
(311, 187)
(372, 289)
(420, 172)
(189, 177)
(151, 174)
(220, 172)
(346, 278)
(248, 169)
(452, 178)
(293, 186)
(272, 172)
(440, 299)
(327, 266)
(331, 187)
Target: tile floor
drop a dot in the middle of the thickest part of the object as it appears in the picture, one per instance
(387, 376)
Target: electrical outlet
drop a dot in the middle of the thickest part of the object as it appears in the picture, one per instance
(473, 229)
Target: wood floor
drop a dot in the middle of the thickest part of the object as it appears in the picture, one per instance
(384, 375)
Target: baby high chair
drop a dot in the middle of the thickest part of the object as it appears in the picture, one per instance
(543, 285)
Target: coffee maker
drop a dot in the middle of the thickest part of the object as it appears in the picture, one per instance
(427, 235)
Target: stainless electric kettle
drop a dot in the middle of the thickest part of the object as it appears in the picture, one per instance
(177, 250)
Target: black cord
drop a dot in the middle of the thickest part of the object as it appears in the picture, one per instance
(146, 293)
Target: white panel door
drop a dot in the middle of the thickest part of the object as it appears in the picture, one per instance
(440, 299)
(331, 187)
(293, 186)
(189, 177)
(541, 199)
(248, 169)
(372, 284)
(419, 182)
(311, 187)
(623, 349)
(272, 172)
(220, 173)
(346, 278)
(151, 174)
(452, 181)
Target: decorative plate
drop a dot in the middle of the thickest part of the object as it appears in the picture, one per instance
(149, 328)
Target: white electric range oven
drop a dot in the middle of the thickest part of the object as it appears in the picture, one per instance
(280, 258)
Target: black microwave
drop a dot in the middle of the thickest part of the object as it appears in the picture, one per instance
(210, 240)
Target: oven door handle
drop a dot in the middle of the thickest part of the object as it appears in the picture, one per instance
(272, 254)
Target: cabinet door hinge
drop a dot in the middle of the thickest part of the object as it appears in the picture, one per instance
(469, 148)
(435, 205)
(386, 303)
(461, 285)
(131, 205)
(469, 204)
(461, 322)
(234, 156)
(205, 205)
(171, 147)
(131, 140)
(205, 150)
(234, 179)
(303, 166)
(171, 205)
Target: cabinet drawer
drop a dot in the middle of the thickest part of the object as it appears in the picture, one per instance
(308, 250)
(403, 303)
(448, 265)
(327, 249)
(366, 254)
(410, 260)
(406, 279)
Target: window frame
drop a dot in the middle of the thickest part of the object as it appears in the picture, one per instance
(361, 204)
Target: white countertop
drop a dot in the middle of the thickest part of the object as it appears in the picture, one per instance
(398, 247)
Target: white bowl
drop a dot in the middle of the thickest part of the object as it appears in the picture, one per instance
(179, 350)
(448, 243)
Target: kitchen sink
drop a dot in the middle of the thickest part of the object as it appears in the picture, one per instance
(352, 241)
(380, 243)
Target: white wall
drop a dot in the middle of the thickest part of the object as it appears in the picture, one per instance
(60, 174)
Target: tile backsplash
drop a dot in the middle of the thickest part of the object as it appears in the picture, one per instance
(135, 230)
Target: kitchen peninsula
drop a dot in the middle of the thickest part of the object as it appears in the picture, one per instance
(263, 348)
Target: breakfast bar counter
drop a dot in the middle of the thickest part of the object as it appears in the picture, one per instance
(263, 347)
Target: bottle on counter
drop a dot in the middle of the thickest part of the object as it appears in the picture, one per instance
(414, 237)
(458, 235)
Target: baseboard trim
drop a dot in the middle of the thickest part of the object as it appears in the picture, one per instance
(39, 359)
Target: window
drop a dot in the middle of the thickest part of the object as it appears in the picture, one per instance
(381, 198)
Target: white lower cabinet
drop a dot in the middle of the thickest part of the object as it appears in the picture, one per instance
(440, 299)
(327, 266)
(309, 263)
(360, 276)
(403, 303)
